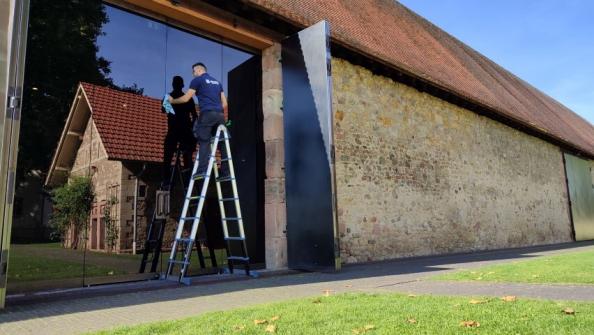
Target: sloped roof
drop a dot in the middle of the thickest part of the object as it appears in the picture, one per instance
(387, 31)
(131, 126)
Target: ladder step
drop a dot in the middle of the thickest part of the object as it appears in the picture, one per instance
(231, 219)
(184, 239)
(235, 238)
(224, 179)
(238, 258)
(228, 199)
(222, 159)
(195, 197)
(212, 139)
(200, 176)
(188, 218)
(179, 262)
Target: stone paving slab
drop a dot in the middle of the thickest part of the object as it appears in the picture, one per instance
(81, 314)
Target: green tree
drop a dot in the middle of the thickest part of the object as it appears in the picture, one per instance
(72, 207)
(61, 52)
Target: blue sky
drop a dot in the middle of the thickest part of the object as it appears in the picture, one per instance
(548, 43)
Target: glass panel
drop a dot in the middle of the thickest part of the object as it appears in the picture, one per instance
(128, 53)
(136, 49)
(581, 194)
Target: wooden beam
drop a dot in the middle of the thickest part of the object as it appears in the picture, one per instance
(61, 168)
(193, 17)
(75, 133)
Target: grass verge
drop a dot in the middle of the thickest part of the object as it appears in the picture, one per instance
(387, 314)
(569, 268)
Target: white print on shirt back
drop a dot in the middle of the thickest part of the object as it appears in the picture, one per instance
(214, 82)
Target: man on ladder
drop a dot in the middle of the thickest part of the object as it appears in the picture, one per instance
(212, 104)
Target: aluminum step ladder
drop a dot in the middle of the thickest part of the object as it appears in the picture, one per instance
(184, 245)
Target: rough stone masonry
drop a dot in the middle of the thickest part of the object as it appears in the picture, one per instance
(419, 176)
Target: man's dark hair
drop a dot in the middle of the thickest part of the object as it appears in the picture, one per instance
(200, 64)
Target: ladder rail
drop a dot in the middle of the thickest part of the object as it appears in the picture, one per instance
(221, 134)
(233, 185)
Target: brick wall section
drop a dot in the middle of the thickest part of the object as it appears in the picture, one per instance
(419, 176)
(274, 184)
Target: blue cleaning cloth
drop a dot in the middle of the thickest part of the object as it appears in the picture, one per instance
(167, 105)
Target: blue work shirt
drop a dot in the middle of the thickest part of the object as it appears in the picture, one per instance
(208, 92)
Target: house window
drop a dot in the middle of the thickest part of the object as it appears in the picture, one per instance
(142, 191)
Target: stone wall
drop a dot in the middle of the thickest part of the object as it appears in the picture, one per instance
(274, 184)
(91, 157)
(419, 176)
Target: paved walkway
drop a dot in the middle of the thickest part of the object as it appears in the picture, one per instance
(153, 301)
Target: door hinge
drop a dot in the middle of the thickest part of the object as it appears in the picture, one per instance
(14, 102)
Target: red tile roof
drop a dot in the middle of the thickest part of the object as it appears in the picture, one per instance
(131, 126)
(387, 31)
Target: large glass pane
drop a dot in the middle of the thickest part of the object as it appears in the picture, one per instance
(110, 130)
(136, 49)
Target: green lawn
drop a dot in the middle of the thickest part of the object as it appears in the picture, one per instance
(569, 268)
(30, 268)
(387, 314)
(50, 261)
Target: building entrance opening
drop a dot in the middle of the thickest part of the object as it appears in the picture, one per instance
(108, 150)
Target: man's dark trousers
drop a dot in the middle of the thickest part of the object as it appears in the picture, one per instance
(204, 129)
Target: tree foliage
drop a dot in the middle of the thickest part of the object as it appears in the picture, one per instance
(72, 206)
(61, 52)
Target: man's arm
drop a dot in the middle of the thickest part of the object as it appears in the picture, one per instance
(184, 98)
(224, 102)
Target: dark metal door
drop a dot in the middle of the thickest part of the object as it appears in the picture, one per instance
(247, 148)
(312, 242)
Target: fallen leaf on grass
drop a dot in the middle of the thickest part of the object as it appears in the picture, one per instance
(476, 302)
(363, 330)
(411, 320)
(274, 318)
(260, 322)
(270, 329)
(509, 298)
(469, 324)
(327, 292)
(239, 327)
(317, 301)
(412, 295)
(569, 311)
